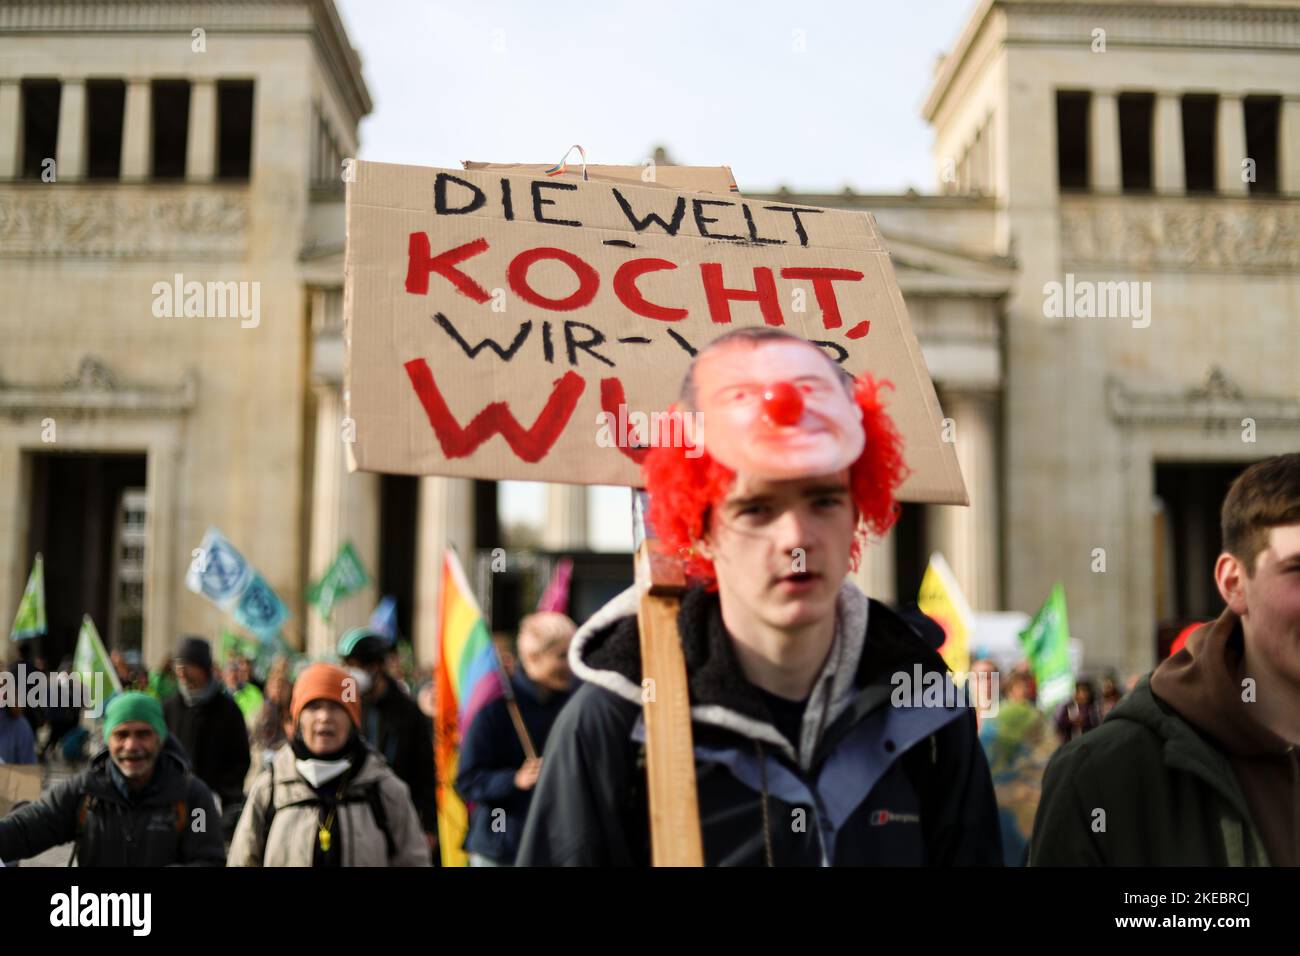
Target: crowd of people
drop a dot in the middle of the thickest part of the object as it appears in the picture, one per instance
(801, 757)
(333, 766)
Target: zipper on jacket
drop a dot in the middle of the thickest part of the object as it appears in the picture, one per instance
(819, 811)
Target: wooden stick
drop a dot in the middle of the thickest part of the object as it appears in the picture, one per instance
(512, 705)
(669, 749)
(517, 719)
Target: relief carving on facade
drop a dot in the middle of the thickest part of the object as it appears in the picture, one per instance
(49, 221)
(1217, 403)
(96, 389)
(1246, 236)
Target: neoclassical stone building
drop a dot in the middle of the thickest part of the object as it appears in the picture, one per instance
(1158, 143)
(1078, 146)
(145, 146)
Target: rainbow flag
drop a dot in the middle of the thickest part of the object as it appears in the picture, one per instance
(467, 679)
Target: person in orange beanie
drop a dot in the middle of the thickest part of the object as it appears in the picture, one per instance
(328, 799)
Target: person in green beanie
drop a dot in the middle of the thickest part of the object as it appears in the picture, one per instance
(138, 804)
(134, 731)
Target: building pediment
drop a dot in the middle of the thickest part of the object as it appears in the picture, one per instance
(96, 388)
(1218, 402)
(927, 267)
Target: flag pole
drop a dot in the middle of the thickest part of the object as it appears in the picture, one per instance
(669, 752)
(512, 703)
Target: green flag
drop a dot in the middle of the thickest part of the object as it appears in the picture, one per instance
(90, 659)
(30, 620)
(345, 576)
(233, 643)
(1047, 646)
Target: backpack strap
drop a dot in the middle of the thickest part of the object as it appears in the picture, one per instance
(268, 815)
(372, 797)
(84, 810)
(376, 801)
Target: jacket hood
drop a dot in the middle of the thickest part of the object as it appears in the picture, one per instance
(1203, 682)
(1184, 748)
(606, 652)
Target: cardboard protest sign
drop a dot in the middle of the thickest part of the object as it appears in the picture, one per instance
(19, 783)
(508, 326)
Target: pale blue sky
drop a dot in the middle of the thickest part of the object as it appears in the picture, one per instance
(815, 95)
(716, 82)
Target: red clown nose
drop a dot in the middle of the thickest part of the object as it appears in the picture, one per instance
(782, 404)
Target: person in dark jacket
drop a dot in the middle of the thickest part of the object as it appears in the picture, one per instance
(210, 727)
(392, 723)
(1077, 716)
(138, 804)
(495, 776)
(17, 741)
(1199, 765)
(806, 753)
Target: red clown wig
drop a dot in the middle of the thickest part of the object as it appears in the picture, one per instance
(683, 490)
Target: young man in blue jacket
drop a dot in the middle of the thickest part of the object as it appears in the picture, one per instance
(802, 757)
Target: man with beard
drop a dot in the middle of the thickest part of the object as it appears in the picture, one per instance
(138, 804)
(209, 725)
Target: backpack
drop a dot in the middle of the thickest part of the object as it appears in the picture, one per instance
(370, 795)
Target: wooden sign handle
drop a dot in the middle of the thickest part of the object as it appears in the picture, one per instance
(669, 750)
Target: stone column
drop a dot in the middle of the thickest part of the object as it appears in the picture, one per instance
(10, 128)
(968, 537)
(15, 517)
(446, 518)
(136, 126)
(323, 535)
(991, 156)
(345, 507)
(70, 148)
(1167, 144)
(1103, 143)
(566, 518)
(1231, 145)
(876, 573)
(163, 552)
(1288, 145)
(201, 147)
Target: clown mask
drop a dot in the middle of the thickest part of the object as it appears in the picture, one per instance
(777, 410)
